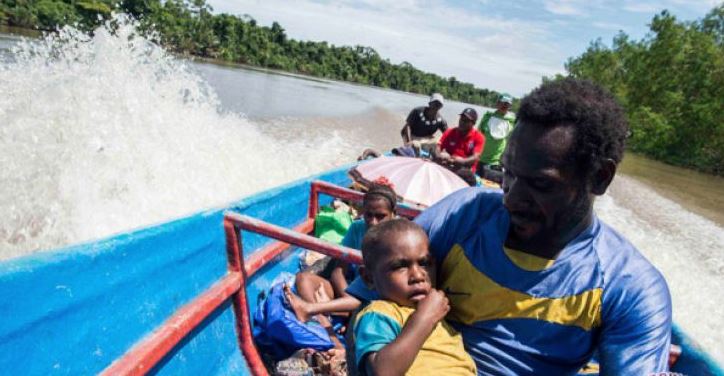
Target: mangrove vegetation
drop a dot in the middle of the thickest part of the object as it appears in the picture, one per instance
(671, 82)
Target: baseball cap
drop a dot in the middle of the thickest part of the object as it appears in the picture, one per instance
(505, 98)
(470, 113)
(437, 97)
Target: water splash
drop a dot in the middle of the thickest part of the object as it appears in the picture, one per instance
(684, 246)
(106, 132)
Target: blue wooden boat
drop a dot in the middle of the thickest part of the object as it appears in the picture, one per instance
(175, 298)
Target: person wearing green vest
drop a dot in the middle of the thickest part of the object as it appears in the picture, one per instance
(496, 126)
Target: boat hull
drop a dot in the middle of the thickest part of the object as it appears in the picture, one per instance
(76, 310)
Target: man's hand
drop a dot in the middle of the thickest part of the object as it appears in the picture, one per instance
(445, 157)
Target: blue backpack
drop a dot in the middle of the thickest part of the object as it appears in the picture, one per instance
(279, 333)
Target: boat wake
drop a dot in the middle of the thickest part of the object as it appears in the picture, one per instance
(106, 132)
(684, 246)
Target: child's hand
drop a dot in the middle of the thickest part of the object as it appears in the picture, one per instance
(433, 307)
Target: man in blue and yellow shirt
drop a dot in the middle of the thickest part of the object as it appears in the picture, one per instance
(536, 282)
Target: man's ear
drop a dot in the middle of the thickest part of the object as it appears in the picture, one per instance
(366, 276)
(603, 176)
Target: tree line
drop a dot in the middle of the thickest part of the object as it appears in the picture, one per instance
(190, 27)
(671, 84)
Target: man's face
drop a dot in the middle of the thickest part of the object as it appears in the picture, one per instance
(543, 193)
(503, 107)
(435, 105)
(465, 124)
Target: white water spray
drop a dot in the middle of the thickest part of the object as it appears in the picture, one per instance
(685, 247)
(106, 133)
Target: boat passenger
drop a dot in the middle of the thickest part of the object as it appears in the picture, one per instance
(460, 147)
(422, 123)
(496, 126)
(378, 205)
(404, 332)
(536, 282)
(468, 176)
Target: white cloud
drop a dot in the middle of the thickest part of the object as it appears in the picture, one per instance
(565, 7)
(651, 7)
(642, 7)
(608, 26)
(501, 54)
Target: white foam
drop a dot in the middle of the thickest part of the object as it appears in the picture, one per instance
(687, 248)
(106, 133)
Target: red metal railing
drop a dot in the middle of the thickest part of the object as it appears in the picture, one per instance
(148, 352)
(322, 187)
(234, 221)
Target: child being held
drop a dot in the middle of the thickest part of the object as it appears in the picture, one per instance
(405, 332)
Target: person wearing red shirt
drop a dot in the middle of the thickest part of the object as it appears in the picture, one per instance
(461, 146)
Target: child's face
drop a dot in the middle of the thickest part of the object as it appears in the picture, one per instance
(406, 274)
(376, 211)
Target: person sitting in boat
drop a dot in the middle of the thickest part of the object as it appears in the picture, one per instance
(460, 147)
(422, 123)
(496, 126)
(536, 282)
(320, 296)
(401, 151)
(404, 332)
(468, 176)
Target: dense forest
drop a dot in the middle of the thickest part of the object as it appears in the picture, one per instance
(190, 27)
(672, 85)
(671, 82)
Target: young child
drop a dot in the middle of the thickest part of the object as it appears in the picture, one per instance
(319, 296)
(405, 332)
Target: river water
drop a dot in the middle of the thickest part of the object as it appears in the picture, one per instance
(104, 134)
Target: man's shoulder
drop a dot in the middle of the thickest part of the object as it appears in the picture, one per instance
(468, 200)
(462, 210)
(477, 135)
(449, 132)
(414, 113)
(417, 110)
(626, 271)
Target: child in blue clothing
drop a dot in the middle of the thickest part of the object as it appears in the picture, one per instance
(320, 296)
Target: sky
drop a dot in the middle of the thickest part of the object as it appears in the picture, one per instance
(507, 46)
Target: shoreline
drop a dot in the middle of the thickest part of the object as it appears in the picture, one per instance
(696, 191)
(639, 174)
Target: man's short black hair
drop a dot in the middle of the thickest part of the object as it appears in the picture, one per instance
(377, 242)
(599, 121)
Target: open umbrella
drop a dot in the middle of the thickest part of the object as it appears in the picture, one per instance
(417, 181)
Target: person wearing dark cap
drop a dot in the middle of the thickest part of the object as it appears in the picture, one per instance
(422, 123)
(461, 146)
(496, 126)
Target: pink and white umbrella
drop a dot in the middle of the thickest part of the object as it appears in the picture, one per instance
(417, 181)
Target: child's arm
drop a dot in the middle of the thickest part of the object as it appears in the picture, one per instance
(396, 357)
(305, 310)
(346, 303)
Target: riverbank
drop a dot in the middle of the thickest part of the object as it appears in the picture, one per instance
(699, 207)
(696, 191)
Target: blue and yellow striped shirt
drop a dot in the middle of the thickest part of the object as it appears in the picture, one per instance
(523, 315)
